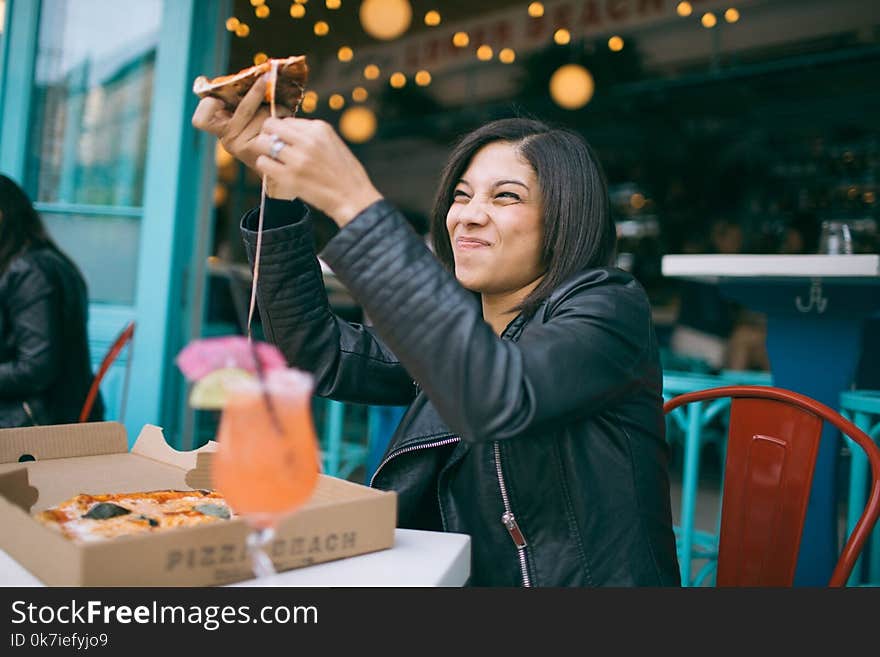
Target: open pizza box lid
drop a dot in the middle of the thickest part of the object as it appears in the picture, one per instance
(342, 519)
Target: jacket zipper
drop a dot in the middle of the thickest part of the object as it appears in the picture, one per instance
(412, 448)
(509, 520)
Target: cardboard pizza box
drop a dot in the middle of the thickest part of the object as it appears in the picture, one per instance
(342, 519)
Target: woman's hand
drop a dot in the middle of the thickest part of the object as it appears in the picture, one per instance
(314, 164)
(238, 131)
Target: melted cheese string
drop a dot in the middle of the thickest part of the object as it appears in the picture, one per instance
(273, 80)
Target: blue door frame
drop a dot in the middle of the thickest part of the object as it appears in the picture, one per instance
(176, 221)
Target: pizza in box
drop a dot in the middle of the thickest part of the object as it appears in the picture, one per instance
(87, 518)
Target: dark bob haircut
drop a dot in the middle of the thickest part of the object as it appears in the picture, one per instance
(20, 226)
(578, 230)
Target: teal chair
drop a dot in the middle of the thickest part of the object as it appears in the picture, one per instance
(862, 408)
(696, 425)
(691, 425)
(342, 434)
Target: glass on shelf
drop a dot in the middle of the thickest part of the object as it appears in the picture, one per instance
(835, 238)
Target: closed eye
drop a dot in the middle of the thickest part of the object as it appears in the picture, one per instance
(459, 194)
(512, 195)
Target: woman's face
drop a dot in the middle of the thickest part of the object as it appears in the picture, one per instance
(495, 224)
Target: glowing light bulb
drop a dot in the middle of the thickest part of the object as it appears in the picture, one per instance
(562, 36)
(572, 86)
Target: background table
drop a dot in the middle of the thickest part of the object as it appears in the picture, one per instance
(816, 306)
(418, 558)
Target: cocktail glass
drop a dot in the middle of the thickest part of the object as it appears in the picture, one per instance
(267, 459)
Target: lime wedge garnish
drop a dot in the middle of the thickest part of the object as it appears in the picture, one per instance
(209, 392)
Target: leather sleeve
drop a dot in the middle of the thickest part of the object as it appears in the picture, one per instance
(583, 353)
(33, 331)
(348, 361)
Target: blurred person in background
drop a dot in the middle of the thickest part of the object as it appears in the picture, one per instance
(712, 329)
(45, 369)
(529, 363)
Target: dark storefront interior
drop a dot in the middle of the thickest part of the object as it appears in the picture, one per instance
(771, 139)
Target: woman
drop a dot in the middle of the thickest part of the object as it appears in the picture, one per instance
(529, 364)
(45, 371)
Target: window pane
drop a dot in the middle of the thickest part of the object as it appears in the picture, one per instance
(105, 248)
(93, 85)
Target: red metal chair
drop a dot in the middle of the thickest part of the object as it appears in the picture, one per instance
(771, 455)
(112, 354)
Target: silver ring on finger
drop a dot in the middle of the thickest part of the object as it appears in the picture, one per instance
(276, 147)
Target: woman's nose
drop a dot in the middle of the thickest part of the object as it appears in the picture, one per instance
(474, 213)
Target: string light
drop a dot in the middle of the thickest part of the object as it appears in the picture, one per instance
(359, 94)
(708, 20)
(297, 11)
(684, 9)
(536, 10)
(615, 44)
(232, 23)
(345, 54)
(222, 157)
(423, 78)
(358, 124)
(507, 55)
(321, 28)
(258, 3)
(572, 86)
(259, 58)
(484, 53)
(337, 102)
(333, 4)
(562, 36)
(371, 72)
(398, 80)
(460, 39)
(242, 30)
(432, 18)
(309, 106)
(385, 19)
(731, 15)
(262, 11)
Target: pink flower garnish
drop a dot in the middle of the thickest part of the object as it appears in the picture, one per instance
(201, 357)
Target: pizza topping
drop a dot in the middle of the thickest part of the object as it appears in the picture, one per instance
(150, 521)
(105, 510)
(216, 510)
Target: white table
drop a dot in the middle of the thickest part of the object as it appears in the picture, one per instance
(418, 558)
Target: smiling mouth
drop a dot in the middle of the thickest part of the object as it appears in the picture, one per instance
(471, 243)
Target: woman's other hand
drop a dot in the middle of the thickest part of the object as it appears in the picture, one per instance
(312, 162)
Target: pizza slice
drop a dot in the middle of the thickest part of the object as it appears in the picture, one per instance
(286, 88)
(89, 518)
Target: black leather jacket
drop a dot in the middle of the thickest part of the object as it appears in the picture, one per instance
(45, 370)
(546, 446)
